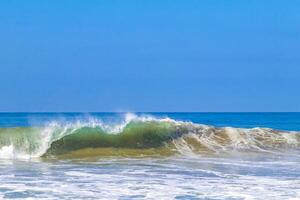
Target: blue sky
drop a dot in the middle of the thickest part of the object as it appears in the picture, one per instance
(213, 55)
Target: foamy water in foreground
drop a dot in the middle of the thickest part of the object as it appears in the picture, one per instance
(168, 178)
(166, 156)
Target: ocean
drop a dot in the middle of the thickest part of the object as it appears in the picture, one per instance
(122, 156)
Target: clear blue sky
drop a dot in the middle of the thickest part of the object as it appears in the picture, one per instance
(172, 55)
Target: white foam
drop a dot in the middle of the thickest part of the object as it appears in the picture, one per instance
(7, 152)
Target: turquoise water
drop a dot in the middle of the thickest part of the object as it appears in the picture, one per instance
(150, 155)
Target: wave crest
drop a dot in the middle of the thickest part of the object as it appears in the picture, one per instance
(139, 136)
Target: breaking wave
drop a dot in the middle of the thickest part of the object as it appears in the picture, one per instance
(139, 136)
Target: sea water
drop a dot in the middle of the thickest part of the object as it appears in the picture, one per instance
(150, 155)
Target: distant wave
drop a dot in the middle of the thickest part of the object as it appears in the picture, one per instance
(139, 136)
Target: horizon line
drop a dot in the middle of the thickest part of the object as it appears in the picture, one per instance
(108, 112)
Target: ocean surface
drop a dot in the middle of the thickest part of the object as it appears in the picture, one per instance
(150, 156)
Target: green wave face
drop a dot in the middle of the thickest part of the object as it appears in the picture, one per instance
(134, 135)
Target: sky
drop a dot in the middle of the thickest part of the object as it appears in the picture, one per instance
(150, 55)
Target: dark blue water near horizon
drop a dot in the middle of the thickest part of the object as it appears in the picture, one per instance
(276, 120)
